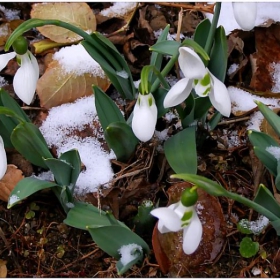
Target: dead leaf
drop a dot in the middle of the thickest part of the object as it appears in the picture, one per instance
(57, 87)
(171, 257)
(78, 14)
(11, 178)
(267, 128)
(3, 269)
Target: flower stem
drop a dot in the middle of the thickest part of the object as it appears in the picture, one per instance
(213, 27)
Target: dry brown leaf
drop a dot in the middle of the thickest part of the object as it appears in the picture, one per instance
(78, 14)
(3, 269)
(57, 87)
(267, 128)
(11, 178)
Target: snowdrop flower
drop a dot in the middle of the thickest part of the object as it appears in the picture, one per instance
(3, 159)
(199, 77)
(178, 217)
(245, 14)
(144, 117)
(25, 79)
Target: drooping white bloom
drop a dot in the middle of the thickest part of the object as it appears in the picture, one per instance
(144, 117)
(3, 159)
(178, 217)
(25, 79)
(245, 14)
(199, 77)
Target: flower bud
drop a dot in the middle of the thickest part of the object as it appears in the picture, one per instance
(20, 45)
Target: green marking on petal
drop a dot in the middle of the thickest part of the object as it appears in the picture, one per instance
(206, 92)
(187, 216)
(150, 100)
(205, 80)
(185, 224)
(195, 81)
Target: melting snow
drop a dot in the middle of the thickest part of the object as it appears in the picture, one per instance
(75, 59)
(10, 14)
(127, 253)
(275, 151)
(13, 199)
(118, 9)
(255, 226)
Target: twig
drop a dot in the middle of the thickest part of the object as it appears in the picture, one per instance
(234, 121)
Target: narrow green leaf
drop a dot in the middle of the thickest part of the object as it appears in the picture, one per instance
(180, 151)
(276, 226)
(261, 140)
(272, 118)
(166, 47)
(159, 96)
(214, 120)
(73, 158)
(187, 116)
(201, 32)
(266, 199)
(107, 110)
(219, 55)
(118, 236)
(121, 139)
(28, 140)
(7, 101)
(61, 170)
(202, 105)
(269, 161)
(10, 113)
(5, 132)
(156, 58)
(27, 187)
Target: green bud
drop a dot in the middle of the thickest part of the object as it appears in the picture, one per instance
(20, 45)
(189, 196)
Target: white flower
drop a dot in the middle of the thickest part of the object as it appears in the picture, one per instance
(245, 14)
(25, 79)
(199, 77)
(3, 159)
(178, 217)
(144, 117)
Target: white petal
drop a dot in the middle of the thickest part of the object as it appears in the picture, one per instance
(192, 235)
(25, 80)
(178, 93)
(3, 159)
(144, 117)
(190, 63)
(167, 218)
(219, 96)
(245, 14)
(5, 58)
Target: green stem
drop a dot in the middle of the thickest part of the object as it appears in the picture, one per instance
(31, 23)
(165, 71)
(213, 27)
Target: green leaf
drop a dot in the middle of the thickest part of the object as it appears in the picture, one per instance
(73, 158)
(84, 214)
(277, 178)
(107, 110)
(201, 32)
(180, 151)
(188, 112)
(272, 118)
(111, 238)
(10, 113)
(244, 226)
(166, 47)
(202, 105)
(156, 58)
(9, 102)
(266, 199)
(61, 170)
(28, 140)
(219, 55)
(121, 139)
(214, 120)
(159, 96)
(269, 161)
(27, 187)
(248, 248)
(206, 184)
(261, 140)
(276, 226)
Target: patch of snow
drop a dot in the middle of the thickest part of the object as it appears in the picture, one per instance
(46, 176)
(70, 205)
(265, 11)
(3, 82)
(75, 59)
(129, 253)
(256, 271)
(255, 226)
(13, 199)
(275, 75)
(275, 151)
(255, 121)
(170, 37)
(233, 67)
(162, 135)
(10, 14)
(119, 9)
(122, 74)
(60, 133)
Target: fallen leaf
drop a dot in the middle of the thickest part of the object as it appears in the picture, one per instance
(78, 14)
(11, 178)
(57, 87)
(3, 269)
(171, 257)
(267, 128)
